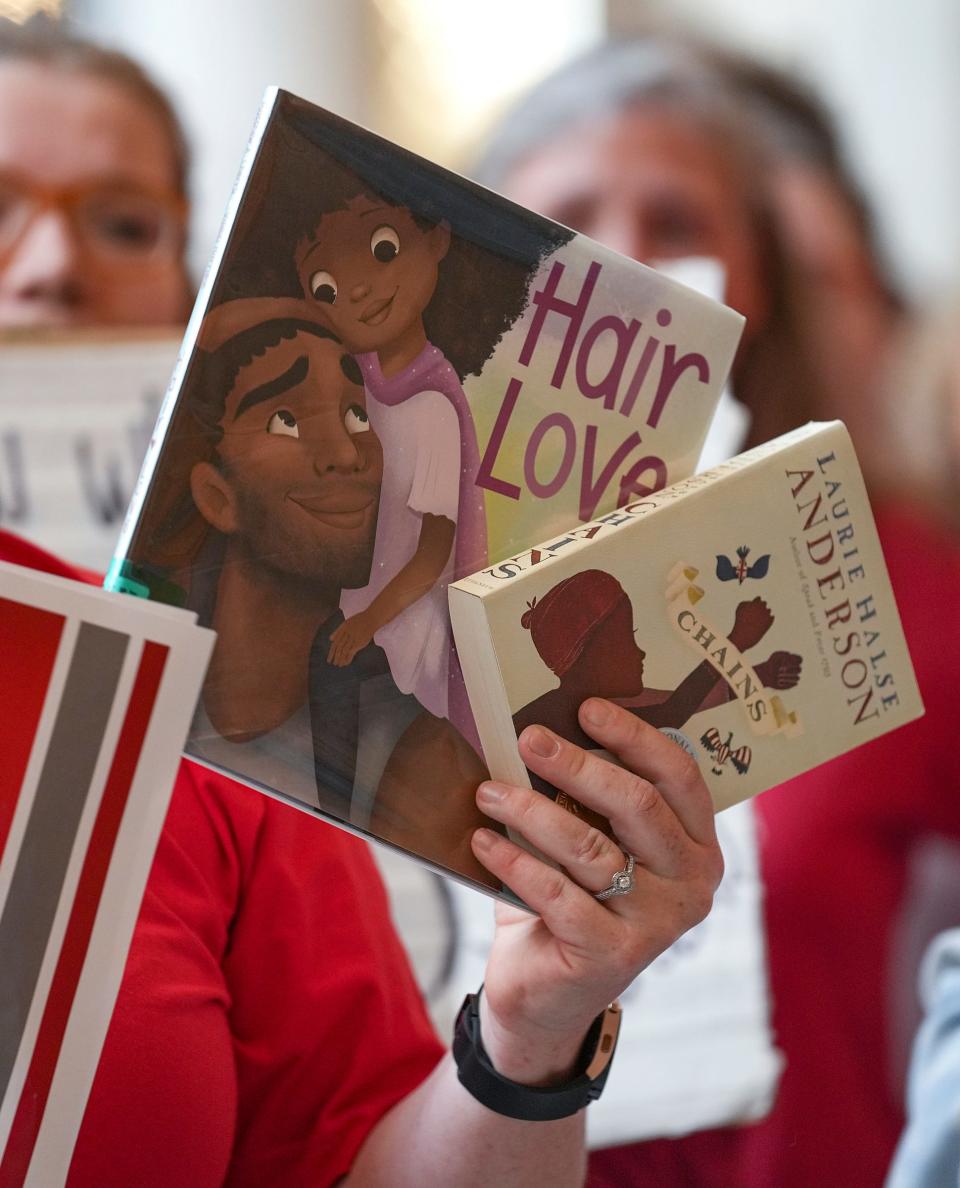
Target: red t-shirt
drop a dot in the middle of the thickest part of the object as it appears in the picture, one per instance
(267, 1016)
(835, 849)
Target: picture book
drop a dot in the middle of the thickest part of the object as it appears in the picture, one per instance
(77, 408)
(391, 378)
(746, 612)
(97, 696)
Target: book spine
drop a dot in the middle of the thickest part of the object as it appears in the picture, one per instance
(488, 581)
(769, 448)
(113, 579)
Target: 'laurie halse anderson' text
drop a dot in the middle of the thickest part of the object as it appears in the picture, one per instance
(850, 614)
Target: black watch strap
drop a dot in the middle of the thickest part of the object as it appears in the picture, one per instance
(478, 1076)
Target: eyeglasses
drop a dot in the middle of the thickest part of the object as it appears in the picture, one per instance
(118, 224)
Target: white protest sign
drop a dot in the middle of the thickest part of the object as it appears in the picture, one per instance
(76, 414)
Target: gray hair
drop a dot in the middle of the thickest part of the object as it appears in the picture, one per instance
(604, 81)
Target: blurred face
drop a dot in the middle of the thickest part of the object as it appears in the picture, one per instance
(91, 231)
(370, 271)
(302, 468)
(651, 185)
(821, 232)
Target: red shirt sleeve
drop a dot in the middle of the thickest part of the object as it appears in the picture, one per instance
(267, 1016)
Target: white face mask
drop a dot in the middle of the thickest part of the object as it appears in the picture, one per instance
(731, 421)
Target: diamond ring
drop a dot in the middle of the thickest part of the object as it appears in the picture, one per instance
(621, 883)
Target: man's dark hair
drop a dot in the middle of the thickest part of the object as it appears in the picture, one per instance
(172, 533)
(214, 373)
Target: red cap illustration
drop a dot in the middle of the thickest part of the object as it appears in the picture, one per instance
(569, 613)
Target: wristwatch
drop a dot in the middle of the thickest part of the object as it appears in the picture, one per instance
(478, 1076)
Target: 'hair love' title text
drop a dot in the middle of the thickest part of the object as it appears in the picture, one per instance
(641, 362)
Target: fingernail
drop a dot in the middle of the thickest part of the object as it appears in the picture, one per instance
(541, 742)
(491, 793)
(483, 839)
(596, 712)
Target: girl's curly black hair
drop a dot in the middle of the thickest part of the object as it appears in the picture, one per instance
(312, 163)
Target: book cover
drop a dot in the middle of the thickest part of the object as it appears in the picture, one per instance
(745, 611)
(97, 696)
(391, 377)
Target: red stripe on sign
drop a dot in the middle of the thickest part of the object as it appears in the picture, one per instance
(29, 639)
(36, 1088)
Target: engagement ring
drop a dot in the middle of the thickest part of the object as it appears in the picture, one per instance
(622, 882)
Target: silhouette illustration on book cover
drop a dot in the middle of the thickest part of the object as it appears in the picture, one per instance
(583, 631)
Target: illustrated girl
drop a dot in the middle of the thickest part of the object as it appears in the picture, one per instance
(372, 270)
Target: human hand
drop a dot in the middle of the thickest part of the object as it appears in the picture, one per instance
(781, 670)
(350, 637)
(751, 623)
(549, 976)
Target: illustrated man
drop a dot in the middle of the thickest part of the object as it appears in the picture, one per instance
(293, 490)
